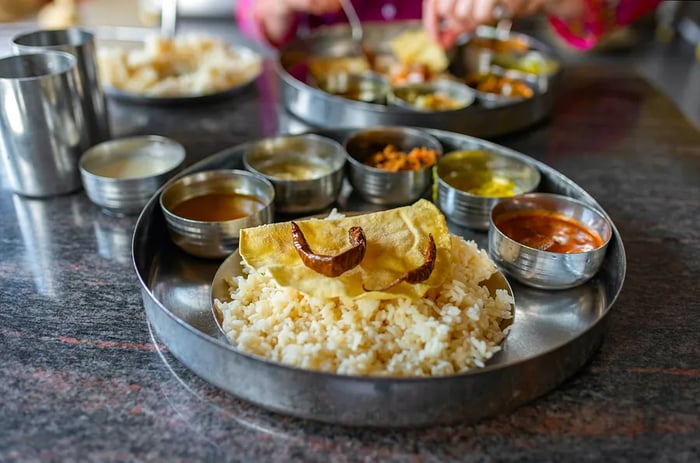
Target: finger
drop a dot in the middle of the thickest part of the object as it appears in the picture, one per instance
(520, 8)
(448, 38)
(316, 7)
(460, 20)
(529, 8)
(483, 11)
(445, 9)
(431, 19)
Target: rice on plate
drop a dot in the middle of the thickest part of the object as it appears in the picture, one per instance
(455, 326)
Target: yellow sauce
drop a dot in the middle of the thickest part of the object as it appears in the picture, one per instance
(218, 207)
(470, 171)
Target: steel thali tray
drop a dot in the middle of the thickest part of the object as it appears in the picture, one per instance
(323, 109)
(553, 334)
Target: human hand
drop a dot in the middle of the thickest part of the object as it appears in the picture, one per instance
(315, 7)
(446, 20)
(276, 17)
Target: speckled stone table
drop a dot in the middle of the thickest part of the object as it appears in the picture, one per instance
(82, 380)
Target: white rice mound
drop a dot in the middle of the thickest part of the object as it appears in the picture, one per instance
(454, 328)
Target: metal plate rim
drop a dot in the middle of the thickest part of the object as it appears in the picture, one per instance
(589, 336)
(147, 211)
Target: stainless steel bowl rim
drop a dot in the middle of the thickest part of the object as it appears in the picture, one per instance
(558, 197)
(432, 86)
(284, 181)
(226, 173)
(416, 131)
(162, 316)
(467, 195)
(95, 151)
(355, 378)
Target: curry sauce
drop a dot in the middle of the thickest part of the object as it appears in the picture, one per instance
(218, 207)
(549, 231)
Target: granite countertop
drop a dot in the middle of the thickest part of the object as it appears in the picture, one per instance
(82, 380)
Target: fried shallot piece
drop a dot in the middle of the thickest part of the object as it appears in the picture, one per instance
(418, 274)
(331, 266)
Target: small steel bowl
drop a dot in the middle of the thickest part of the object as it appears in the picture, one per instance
(367, 87)
(214, 240)
(408, 95)
(533, 62)
(537, 84)
(382, 187)
(321, 158)
(544, 269)
(121, 175)
(473, 210)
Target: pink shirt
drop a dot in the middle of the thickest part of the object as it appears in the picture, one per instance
(583, 33)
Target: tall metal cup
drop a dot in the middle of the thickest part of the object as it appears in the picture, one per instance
(42, 125)
(81, 44)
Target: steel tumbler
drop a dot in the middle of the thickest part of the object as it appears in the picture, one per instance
(42, 125)
(81, 44)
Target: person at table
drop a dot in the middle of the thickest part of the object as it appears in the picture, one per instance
(580, 23)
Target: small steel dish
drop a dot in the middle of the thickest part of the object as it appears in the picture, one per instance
(536, 84)
(367, 87)
(324, 159)
(544, 269)
(214, 240)
(121, 175)
(408, 95)
(382, 187)
(532, 62)
(473, 210)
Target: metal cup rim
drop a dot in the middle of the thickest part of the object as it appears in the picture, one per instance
(83, 33)
(69, 68)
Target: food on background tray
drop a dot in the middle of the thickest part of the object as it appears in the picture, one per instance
(420, 323)
(413, 73)
(218, 207)
(437, 101)
(58, 14)
(509, 45)
(368, 87)
(393, 160)
(500, 85)
(549, 231)
(187, 65)
(532, 62)
(321, 67)
(429, 100)
(415, 47)
(419, 58)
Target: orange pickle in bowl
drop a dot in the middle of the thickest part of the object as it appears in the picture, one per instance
(391, 159)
